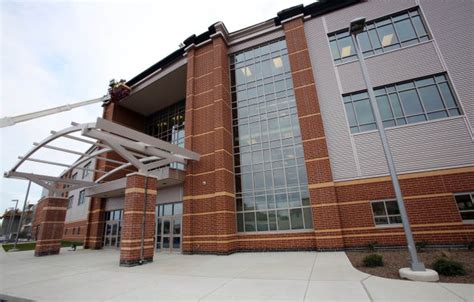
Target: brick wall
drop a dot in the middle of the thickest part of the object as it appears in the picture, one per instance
(135, 201)
(49, 223)
(209, 193)
(75, 231)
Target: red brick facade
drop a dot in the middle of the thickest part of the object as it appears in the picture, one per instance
(75, 231)
(341, 210)
(49, 222)
(209, 193)
(135, 203)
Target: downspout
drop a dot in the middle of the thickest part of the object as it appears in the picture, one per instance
(142, 249)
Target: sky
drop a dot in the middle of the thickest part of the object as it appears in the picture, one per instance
(54, 53)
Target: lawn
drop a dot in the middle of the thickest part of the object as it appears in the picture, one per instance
(394, 260)
(28, 246)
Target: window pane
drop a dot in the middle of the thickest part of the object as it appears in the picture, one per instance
(387, 35)
(296, 219)
(346, 46)
(250, 222)
(378, 208)
(249, 202)
(272, 221)
(364, 112)
(178, 208)
(334, 50)
(395, 219)
(381, 220)
(240, 222)
(262, 223)
(447, 95)
(405, 30)
(308, 218)
(411, 103)
(397, 109)
(350, 114)
(283, 220)
(384, 107)
(392, 207)
(431, 98)
(168, 209)
(364, 42)
(420, 28)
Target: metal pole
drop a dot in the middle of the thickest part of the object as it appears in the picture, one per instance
(415, 264)
(10, 223)
(21, 217)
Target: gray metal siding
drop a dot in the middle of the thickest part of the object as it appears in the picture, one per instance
(424, 146)
(432, 145)
(79, 212)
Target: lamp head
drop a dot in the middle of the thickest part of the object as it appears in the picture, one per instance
(357, 26)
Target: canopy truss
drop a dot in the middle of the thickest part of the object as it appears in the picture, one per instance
(139, 150)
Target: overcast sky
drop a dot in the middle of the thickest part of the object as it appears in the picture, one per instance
(59, 52)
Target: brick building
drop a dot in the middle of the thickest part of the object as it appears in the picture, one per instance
(290, 158)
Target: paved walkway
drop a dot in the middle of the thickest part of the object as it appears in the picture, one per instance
(293, 276)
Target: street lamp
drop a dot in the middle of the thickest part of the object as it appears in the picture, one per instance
(10, 223)
(417, 268)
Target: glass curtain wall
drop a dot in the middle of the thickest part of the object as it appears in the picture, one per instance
(271, 181)
(168, 125)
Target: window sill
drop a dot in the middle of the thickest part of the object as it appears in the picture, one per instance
(389, 226)
(276, 232)
(383, 53)
(468, 221)
(388, 129)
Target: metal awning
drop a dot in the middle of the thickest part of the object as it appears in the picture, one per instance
(139, 150)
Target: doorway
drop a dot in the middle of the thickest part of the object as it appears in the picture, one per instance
(168, 227)
(112, 228)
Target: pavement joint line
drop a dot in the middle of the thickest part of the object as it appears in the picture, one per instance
(310, 275)
(365, 288)
(452, 292)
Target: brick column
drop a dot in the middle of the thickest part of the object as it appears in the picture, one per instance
(326, 217)
(130, 243)
(51, 212)
(95, 224)
(209, 193)
(95, 220)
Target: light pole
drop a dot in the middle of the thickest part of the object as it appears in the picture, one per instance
(10, 223)
(356, 27)
(14, 249)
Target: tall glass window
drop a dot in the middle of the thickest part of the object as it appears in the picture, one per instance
(271, 182)
(403, 103)
(388, 33)
(168, 125)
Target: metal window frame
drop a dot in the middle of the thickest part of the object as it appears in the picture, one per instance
(471, 195)
(387, 216)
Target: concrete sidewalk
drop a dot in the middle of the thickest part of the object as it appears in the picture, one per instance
(293, 276)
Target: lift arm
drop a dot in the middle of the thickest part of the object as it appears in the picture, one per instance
(12, 120)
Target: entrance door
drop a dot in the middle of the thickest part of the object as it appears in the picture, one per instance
(112, 234)
(168, 230)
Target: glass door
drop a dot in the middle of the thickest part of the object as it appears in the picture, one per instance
(168, 238)
(112, 234)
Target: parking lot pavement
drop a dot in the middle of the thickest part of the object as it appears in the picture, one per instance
(94, 275)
